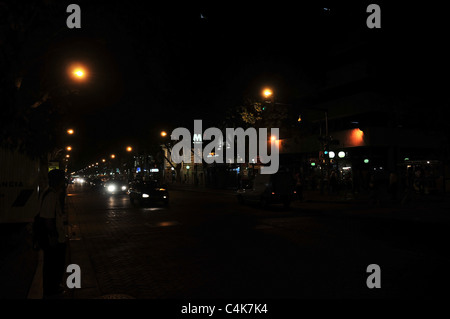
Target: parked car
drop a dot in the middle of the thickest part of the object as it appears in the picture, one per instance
(146, 192)
(268, 189)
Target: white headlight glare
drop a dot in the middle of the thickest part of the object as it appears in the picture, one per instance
(145, 195)
(111, 188)
(124, 188)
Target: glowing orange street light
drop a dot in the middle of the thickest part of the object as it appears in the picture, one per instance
(103, 160)
(273, 138)
(163, 133)
(129, 149)
(113, 156)
(67, 155)
(267, 93)
(78, 72)
(70, 131)
(69, 148)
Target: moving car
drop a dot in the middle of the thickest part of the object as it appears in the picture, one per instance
(268, 189)
(145, 192)
(113, 187)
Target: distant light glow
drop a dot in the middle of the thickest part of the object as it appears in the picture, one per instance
(356, 137)
(341, 154)
(77, 71)
(331, 154)
(267, 92)
(366, 161)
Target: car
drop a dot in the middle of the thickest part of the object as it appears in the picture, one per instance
(113, 187)
(96, 183)
(146, 192)
(268, 189)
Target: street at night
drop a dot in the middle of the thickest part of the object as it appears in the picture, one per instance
(223, 159)
(206, 245)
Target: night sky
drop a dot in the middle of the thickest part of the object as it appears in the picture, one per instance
(154, 68)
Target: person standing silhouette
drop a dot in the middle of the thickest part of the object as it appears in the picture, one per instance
(55, 250)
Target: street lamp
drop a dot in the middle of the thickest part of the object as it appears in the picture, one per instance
(78, 72)
(163, 133)
(113, 156)
(129, 148)
(69, 148)
(267, 93)
(70, 131)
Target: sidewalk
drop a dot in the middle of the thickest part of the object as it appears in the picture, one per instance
(18, 260)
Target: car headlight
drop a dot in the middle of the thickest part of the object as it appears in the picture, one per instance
(124, 188)
(111, 188)
(145, 195)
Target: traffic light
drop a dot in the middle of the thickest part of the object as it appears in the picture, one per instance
(326, 151)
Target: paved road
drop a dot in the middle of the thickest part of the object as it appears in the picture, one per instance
(205, 245)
